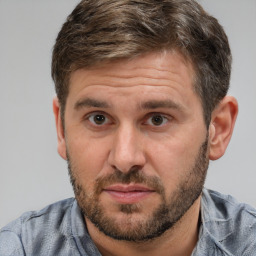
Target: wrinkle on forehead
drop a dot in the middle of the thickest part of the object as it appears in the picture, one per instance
(155, 76)
(137, 70)
(148, 104)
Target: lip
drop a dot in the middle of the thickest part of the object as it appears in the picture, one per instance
(128, 194)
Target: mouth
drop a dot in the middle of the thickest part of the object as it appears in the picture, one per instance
(128, 194)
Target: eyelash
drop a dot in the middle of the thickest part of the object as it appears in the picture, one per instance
(94, 114)
(164, 118)
(148, 119)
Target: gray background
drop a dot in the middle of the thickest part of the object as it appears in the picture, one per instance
(32, 174)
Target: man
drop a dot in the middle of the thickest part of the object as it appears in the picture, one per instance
(141, 108)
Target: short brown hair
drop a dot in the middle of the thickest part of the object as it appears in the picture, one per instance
(105, 30)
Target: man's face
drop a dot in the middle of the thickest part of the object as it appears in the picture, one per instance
(136, 143)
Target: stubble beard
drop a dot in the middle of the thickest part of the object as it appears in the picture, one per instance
(163, 218)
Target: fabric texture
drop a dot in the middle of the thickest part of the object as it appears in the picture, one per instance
(227, 228)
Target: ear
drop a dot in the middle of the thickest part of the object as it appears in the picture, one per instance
(60, 130)
(222, 126)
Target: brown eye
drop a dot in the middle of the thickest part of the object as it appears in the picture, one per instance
(98, 119)
(157, 120)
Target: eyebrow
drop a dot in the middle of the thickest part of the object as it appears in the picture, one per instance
(153, 104)
(91, 103)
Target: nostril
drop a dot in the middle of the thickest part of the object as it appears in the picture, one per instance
(126, 152)
(135, 168)
(134, 174)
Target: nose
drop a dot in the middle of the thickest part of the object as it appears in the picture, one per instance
(127, 149)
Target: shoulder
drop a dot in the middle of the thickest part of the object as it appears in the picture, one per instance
(222, 206)
(231, 223)
(36, 226)
(34, 219)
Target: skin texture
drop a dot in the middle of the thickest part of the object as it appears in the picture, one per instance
(141, 116)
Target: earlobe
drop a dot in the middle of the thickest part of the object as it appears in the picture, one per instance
(222, 126)
(59, 129)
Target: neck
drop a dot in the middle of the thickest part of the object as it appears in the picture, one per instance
(180, 240)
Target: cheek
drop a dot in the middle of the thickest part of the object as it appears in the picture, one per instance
(173, 159)
(88, 157)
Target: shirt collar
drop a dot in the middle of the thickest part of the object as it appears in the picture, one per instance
(80, 233)
(216, 226)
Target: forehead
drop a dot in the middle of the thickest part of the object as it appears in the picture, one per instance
(155, 79)
(156, 65)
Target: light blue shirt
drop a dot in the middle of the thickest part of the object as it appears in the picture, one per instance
(228, 228)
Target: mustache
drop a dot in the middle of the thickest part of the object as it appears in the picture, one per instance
(134, 175)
